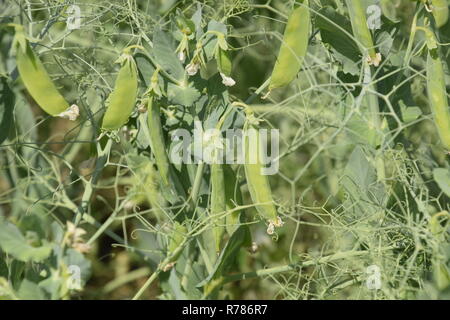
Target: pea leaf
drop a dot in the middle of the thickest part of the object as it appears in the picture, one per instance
(31, 291)
(185, 96)
(15, 244)
(442, 178)
(365, 193)
(164, 50)
(74, 258)
(7, 100)
(409, 114)
(145, 68)
(335, 29)
(227, 256)
(27, 124)
(211, 40)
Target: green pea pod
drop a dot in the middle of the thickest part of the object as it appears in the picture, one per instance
(441, 273)
(257, 182)
(35, 77)
(437, 95)
(218, 205)
(223, 61)
(440, 12)
(157, 143)
(361, 31)
(177, 236)
(233, 198)
(293, 49)
(122, 99)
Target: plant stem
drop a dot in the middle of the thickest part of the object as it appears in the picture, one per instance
(161, 267)
(102, 159)
(375, 121)
(131, 276)
(258, 91)
(293, 266)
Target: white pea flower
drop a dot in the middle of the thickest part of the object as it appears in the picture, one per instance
(74, 238)
(182, 56)
(81, 247)
(192, 68)
(270, 229)
(376, 61)
(168, 266)
(274, 223)
(279, 223)
(254, 247)
(228, 81)
(71, 113)
(75, 233)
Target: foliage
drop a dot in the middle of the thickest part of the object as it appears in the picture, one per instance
(363, 186)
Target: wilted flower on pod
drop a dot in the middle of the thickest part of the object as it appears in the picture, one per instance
(274, 223)
(376, 61)
(72, 113)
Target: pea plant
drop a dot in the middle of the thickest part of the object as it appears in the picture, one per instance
(235, 149)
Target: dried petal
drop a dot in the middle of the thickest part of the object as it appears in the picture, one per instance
(228, 81)
(72, 113)
(192, 68)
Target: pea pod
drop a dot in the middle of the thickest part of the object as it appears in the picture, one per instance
(257, 182)
(439, 8)
(218, 205)
(437, 95)
(123, 98)
(35, 77)
(223, 61)
(441, 273)
(233, 197)
(293, 49)
(177, 237)
(361, 31)
(157, 144)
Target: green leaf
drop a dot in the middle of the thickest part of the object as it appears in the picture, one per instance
(211, 39)
(74, 258)
(358, 129)
(165, 56)
(223, 61)
(15, 244)
(7, 100)
(145, 68)
(359, 173)
(27, 124)
(409, 114)
(366, 194)
(335, 29)
(227, 256)
(185, 96)
(6, 290)
(30, 291)
(442, 178)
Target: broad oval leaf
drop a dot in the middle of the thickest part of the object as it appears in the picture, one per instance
(14, 243)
